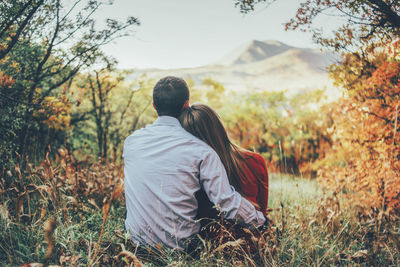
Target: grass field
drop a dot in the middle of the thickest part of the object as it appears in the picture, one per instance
(310, 228)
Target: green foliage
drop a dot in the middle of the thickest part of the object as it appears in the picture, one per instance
(290, 131)
(43, 45)
(110, 107)
(10, 124)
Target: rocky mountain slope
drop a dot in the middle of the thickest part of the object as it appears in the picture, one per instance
(263, 65)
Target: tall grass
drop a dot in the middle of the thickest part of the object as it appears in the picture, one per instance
(71, 220)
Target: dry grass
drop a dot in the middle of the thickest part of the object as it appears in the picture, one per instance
(84, 214)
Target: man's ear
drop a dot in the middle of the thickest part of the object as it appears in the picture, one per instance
(186, 105)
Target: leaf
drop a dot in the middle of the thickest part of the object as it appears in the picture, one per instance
(232, 244)
(118, 191)
(20, 202)
(42, 213)
(93, 202)
(360, 256)
(130, 257)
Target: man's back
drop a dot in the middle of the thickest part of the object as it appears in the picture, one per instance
(162, 174)
(165, 166)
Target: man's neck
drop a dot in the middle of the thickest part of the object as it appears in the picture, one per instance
(167, 120)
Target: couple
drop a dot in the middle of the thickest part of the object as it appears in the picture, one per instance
(185, 151)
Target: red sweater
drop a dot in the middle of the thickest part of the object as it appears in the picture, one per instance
(255, 188)
(252, 189)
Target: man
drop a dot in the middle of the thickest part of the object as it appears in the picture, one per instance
(165, 166)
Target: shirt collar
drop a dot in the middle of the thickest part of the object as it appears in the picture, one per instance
(167, 120)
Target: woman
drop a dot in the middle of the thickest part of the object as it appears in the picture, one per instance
(246, 170)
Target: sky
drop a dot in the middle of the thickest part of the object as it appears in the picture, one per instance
(190, 33)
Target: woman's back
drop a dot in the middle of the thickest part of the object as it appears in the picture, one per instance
(246, 170)
(255, 186)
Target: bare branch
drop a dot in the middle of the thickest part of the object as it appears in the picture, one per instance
(15, 38)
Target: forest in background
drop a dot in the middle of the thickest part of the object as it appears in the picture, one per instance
(66, 109)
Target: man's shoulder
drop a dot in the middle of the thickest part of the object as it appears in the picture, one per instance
(136, 133)
(196, 141)
(185, 137)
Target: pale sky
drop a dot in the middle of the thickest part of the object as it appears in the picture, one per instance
(189, 33)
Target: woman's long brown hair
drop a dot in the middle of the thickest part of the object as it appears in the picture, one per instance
(204, 123)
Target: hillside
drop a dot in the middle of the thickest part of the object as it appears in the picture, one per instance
(253, 51)
(262, 65)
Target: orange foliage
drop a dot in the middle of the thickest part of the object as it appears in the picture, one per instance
(5, 81)
(66, 183)
(365, 160)
(55, 112)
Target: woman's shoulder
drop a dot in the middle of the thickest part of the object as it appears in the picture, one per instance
(256, 164)
(249, 155)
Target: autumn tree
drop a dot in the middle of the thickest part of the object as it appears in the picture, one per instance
(364, 20)
(289, 131)
(15, 19)
(43, 45)
(367, 139)
(365, 155)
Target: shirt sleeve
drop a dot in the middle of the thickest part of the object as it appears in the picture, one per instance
(232, 205)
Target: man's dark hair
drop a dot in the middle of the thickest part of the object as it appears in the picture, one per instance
(169, 95)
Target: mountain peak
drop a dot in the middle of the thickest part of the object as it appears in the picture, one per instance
(254, 51)
(268, 42)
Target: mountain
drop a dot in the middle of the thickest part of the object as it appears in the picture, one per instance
(263, 65)
(253, 51)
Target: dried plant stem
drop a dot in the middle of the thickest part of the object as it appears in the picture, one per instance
(106, 209)
(49, 228)
(395, 125)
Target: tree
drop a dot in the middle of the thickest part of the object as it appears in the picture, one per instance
(364, 160)
(367, 132)
(288, 130)
(366, 21)
(107, 109)
(43, 45)
(16, 16)
(133, 110)
(101, 84)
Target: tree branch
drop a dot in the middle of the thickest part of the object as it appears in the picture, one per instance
(15, 38)
(390, 15)
(11, 21)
